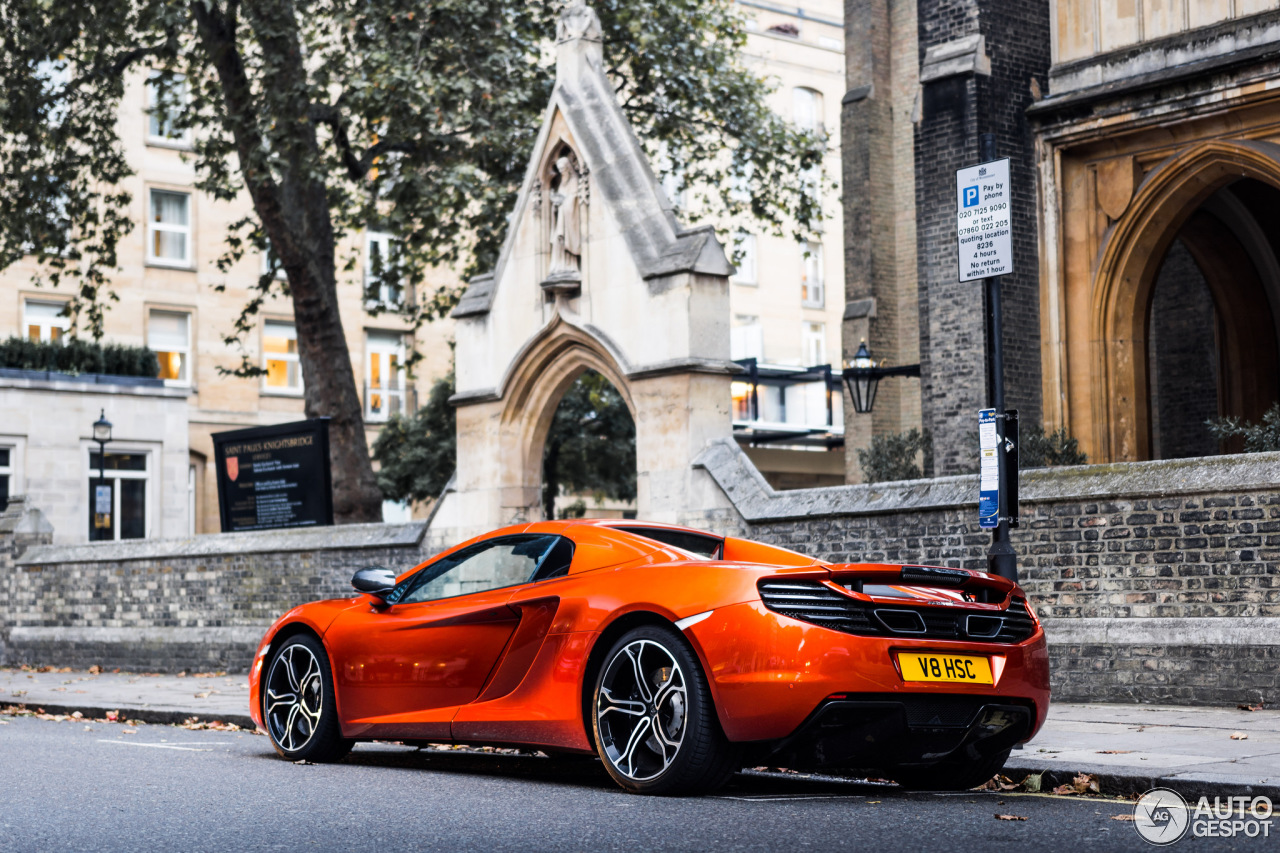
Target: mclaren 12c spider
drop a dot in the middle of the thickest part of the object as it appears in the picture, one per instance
(675, 655)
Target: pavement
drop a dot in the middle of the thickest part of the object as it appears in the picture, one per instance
(1128, 749)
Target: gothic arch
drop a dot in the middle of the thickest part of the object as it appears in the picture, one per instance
(1128, 263)
(541, 375)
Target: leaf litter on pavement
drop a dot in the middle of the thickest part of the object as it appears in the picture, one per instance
(190, 723)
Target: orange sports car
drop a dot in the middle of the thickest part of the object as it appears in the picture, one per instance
(673, 654)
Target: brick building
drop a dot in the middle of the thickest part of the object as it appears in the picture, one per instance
(1142, 138)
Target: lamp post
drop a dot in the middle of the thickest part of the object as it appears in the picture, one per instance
(102, 435)
(863, 378)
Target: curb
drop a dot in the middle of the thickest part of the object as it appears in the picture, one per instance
(1123, 784)
(144, 715)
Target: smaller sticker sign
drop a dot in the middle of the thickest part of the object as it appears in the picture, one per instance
(102, 500)
(988, 469)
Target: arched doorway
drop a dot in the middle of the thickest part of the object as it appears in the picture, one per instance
(589, 458)
(1187, 300)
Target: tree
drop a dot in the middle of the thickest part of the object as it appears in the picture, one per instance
(1039, 449)
(1257, 437)
(417, 455)
(411, 116)
(591, 445)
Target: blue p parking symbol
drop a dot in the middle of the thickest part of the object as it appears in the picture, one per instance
(971, 196)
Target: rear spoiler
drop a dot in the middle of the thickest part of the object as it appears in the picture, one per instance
(976, 586)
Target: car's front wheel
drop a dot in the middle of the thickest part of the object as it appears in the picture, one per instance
(298, 705)
(655, 726)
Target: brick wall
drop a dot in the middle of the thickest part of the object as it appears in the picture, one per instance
(1184, 363)
(954, 111)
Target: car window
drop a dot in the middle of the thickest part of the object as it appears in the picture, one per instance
(699, 544)
(492, 564)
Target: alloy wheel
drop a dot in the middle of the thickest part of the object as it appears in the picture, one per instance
(641, 710)
(294, 697)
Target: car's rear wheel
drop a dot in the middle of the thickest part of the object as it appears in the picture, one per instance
(297, 703)
(954, 775)
(655, 726)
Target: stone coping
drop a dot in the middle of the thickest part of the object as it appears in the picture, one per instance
(338, 537)
(757, 501)
(95, 383)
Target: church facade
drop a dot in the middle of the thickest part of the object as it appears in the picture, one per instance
(1142, 138)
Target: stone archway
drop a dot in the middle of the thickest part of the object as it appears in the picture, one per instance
(540, 377)
(1167, 202)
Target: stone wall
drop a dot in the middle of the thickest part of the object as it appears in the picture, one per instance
(1156, 581)
(183, 604)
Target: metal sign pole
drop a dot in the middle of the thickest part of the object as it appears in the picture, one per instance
(1002, 560)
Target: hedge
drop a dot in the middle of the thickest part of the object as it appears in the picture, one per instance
(78, 356)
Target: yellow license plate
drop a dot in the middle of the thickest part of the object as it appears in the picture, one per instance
(931, 667)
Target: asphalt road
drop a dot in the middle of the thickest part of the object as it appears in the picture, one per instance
(80, 785)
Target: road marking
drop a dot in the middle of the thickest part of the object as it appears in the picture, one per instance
(161, 745)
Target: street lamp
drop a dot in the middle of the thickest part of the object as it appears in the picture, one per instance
(102, 435)
(863, 378)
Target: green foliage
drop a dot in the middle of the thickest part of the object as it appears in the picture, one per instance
(893, 456)
(1036, 449)
(1258, 438)
(412, 117)
(418, 454)
(591, 446)
(78, 356)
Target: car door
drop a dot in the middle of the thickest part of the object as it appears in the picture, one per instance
(401, 670)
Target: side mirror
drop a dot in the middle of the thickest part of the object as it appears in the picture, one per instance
(375, 582)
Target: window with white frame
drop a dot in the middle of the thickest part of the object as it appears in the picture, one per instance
(280, 357)
(384, 387)
(118, 496)
(379, 285)
(744, 250)
(746, 337)
(169, 229)
(6, 475)
(166, 99)
(813, 343)
(169, 337)
(807, 108)
(812, 293)
(270, 260)
(45, 321)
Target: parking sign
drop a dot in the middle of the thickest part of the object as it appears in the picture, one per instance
(984, 230)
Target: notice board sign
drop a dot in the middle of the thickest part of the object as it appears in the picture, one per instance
(988, 470)
(276, 476)
(984, 221)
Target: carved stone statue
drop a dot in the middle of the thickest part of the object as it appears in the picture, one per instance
(578, 21)
(566, 219)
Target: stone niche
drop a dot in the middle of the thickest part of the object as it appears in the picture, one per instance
(596, 273)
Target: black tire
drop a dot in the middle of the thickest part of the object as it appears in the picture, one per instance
(951, 775)
(298, 707)
(651, 682)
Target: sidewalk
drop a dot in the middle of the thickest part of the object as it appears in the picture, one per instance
(1129, 748)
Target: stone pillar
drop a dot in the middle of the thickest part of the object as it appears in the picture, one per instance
(982, 63)
(879, 210)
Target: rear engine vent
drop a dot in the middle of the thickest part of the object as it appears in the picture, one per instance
(813, 601)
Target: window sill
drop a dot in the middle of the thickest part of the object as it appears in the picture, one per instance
(281, 392)
(171, 144)
(159, 264)
(814, 306)
(746, 283)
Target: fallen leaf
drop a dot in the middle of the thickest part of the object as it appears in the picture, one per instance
(128, 731)
(95, 670)
(204, 695)
(1114, 751)
(1009, 817)
(1032, 783)
(1122, 817)
(1083, 783)
(1239, 736)
(113, 716)
(76, 715)
(1257, 707)
(4, 722)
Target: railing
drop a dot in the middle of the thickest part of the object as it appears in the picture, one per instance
(774, 404)
(383, 400)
